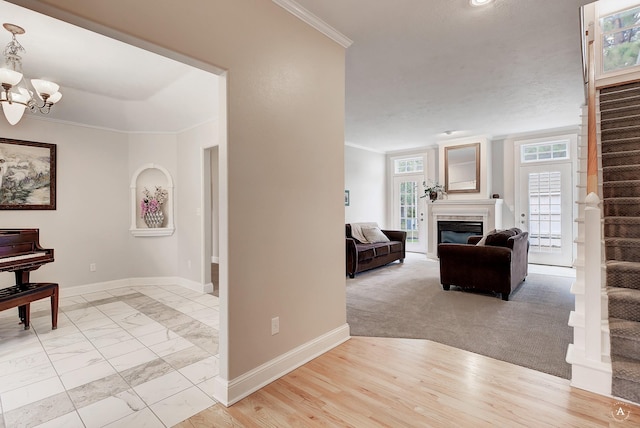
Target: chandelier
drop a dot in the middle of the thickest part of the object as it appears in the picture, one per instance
(16, 95)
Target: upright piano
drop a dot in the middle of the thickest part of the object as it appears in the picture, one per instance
(21, 253)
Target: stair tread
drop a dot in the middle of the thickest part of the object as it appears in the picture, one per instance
(628, 295)
(626, 368)
(623, 219)
(621, 183)
(624, 328)
(629, 242)
(623, 265)
(623, 200)
(621, 154)
(632, 167)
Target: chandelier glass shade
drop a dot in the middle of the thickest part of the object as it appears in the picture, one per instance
(16, 95)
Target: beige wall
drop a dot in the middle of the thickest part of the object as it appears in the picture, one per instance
(91, 220)
(284, 161)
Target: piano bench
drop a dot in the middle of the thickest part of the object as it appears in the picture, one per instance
(22, 296)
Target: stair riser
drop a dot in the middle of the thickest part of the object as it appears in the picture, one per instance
(623, 254)
(624, 347)
(630, 99)
(624, 279)
(630, 159)
(624, 309)
(619, 146)
(625, 389)
(621, 191)
(625, 118)
(621, 173)
(621, 210)
(622, 231)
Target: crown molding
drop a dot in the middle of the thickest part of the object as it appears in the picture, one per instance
(304, 15)
(369, 149)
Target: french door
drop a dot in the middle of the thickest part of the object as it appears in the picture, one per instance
(409, 211)
(546, 212)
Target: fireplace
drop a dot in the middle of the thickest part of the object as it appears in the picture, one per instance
(457, 232)
(484, 212)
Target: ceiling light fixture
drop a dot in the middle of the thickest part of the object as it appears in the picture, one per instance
(16, 95)
(479, 2)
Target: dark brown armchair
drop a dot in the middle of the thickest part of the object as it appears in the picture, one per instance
(498, 265)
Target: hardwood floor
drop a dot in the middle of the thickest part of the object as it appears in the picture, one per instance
(382, 382)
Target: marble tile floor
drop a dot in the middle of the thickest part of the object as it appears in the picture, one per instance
(128, 357)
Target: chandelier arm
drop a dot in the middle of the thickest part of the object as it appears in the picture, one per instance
(22, 95)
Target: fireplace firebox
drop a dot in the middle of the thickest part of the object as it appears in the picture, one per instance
(457, 232)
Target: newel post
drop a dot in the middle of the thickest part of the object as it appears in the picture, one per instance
(593, 277)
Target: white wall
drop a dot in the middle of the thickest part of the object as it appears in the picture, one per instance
(365, 178)
(190, 224)
(153, 256)
(91, 222)
(215, 203)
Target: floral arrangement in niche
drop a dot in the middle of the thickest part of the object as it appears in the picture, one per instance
(153, 203)
(432, 190)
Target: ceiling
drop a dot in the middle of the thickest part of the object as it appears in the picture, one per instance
(418, 69)
(418, 72)
(109, 84)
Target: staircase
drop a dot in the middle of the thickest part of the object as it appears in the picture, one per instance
(620, 142)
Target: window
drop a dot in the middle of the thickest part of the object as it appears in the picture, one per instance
(545, 211)
(554, 150)
(620, 40)
(408, 165)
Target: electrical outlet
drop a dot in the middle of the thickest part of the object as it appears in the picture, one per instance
(92, 267)
(275, 325)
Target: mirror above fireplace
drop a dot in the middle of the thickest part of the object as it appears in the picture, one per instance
(462, 168)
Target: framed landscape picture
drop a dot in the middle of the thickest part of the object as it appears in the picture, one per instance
(27, 175)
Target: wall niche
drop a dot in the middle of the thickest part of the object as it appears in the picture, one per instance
(150, 176)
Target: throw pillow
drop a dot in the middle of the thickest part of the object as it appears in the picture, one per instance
(483, 241)
(356, 231)
(500, 237)
(374, 234)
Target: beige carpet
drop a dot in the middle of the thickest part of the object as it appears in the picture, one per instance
(407, 301)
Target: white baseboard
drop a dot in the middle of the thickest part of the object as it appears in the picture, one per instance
(594, 376)
(230, 392)
(132, 282)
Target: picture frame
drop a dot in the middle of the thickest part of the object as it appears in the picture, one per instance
(27, 175)
(346, 198)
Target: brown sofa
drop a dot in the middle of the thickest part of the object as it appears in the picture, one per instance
(499, 264)
(368, 255)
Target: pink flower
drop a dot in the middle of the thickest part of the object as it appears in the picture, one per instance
(152, 204)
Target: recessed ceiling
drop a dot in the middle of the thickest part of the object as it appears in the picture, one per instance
(417, 69)
(109, 84)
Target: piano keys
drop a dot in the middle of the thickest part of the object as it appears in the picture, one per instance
(20, 252)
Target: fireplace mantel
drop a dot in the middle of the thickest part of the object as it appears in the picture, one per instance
(489, 211)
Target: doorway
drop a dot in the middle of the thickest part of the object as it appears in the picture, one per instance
(409, 211)
(544, 201)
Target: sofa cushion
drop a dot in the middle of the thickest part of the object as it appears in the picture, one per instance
(366, 252)
(499, 238)
(382, 250)
(395, 247)
(374, 234)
